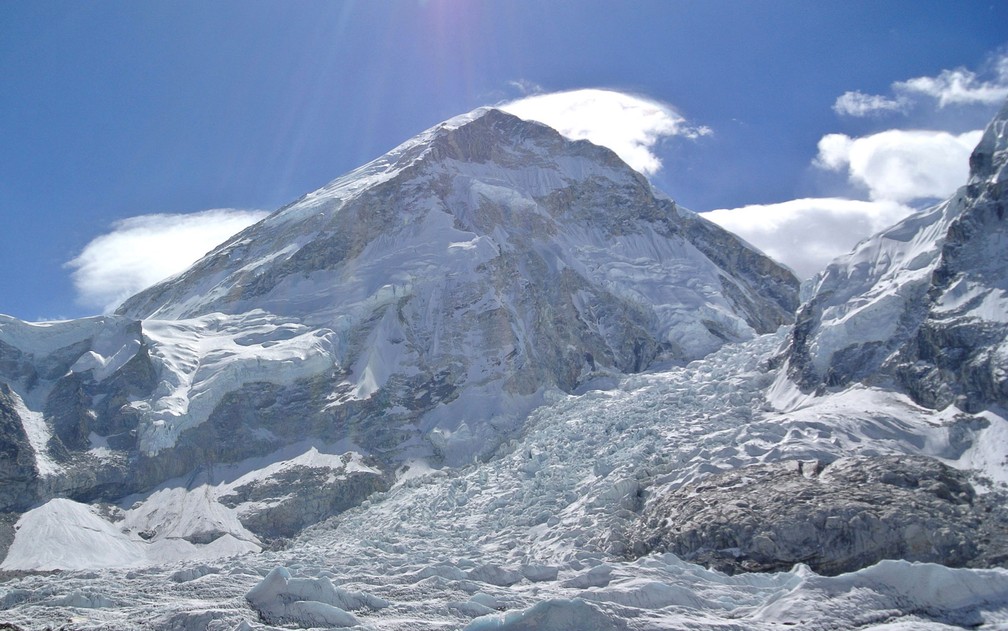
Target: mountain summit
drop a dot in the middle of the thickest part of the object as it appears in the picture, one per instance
(479, 187)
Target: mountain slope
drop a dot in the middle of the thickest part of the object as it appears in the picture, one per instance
(923, 304)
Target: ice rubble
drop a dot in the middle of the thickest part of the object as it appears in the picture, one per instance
(308, 602)
(535, 533)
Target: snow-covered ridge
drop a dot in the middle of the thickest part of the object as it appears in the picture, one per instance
(888, 311)
(871, 287)
(107, 337)
(202, 359)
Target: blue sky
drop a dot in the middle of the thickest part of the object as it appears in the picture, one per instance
(111, 112)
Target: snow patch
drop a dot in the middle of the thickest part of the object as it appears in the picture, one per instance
(39, 434)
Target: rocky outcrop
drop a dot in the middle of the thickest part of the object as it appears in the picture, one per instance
(18, 472)
(836, 517)
(286, 503)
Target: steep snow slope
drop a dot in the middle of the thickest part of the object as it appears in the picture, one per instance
(923, 304)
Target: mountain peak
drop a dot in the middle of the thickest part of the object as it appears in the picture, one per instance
(486, 260)
(482, 172)
(891, 310)
(488, 134)
(988, 160)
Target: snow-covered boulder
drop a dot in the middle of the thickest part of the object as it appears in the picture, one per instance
(308, 602)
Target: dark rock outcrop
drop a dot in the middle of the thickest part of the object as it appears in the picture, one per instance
(18, 472)
(835, 518)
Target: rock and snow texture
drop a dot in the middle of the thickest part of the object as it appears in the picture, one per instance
(210, 515)
(923, 304)
(835, 517)
(62, 386)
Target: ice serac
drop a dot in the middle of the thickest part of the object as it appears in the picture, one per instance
(924, 304)
(454, 280)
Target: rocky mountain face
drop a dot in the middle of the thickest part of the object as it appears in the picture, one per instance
(920, 309)
(923, 305)
(418, 307)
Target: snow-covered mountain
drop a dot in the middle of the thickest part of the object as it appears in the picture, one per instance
(923, 305)
(492, 380)
(482, 262)
(416, 308)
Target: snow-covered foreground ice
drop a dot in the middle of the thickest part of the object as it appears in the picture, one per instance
(532, 538)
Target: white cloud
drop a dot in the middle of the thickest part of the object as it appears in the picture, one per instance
(806, 234)
(894, 167)
(629, 125)
(860, 104)
(959, 86)
(901, 165)
(140, 251)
